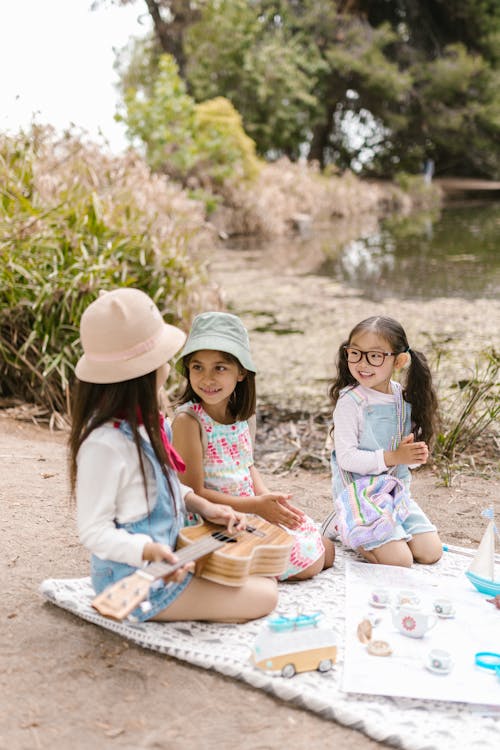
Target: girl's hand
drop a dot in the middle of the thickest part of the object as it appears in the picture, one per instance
(408, 452)
(156, 552)
(275, 508)
(224, 515)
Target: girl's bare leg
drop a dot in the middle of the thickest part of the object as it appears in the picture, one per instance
(324, 561)
(313, 569)
(392, 553)
(329, 552)
(213, 602)
(426, 548)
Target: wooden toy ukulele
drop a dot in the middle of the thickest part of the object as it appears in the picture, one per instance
(228, 558)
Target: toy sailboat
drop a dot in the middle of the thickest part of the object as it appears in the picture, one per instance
(481, 572)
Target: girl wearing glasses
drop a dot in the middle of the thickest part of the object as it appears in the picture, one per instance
(380, 431)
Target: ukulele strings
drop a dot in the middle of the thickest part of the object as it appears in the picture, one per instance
(199, 549)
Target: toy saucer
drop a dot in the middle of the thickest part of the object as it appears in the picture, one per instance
(434, 670)
(379, 605)
(447, 616)
(379, 648)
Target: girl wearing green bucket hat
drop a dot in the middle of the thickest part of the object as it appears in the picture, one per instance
(123, 468)
(212, 432)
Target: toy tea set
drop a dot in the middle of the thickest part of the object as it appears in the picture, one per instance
(411, 621)
(287, 645)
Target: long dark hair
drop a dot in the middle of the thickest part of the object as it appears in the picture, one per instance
(94, 404)
(417, 388)
(243, 399)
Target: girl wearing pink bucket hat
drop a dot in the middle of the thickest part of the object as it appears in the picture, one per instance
(130, 503)
(212, 432)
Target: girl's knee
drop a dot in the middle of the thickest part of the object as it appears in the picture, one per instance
(402, 558)
(313, 569)
(429, 556)
(271, 595)
(329, 556)
(392, 553)
(427, 548)
(264, 595)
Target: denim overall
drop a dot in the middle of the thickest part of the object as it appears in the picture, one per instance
(162, 525)
(380, 430)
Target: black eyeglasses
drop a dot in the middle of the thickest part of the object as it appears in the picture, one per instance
(375, 359)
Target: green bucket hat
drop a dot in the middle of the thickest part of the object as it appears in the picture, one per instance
(218, 331)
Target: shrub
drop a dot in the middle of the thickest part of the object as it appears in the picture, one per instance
(74, 221)
(230, 153)
(203, 143)
(423, 195)
(470, 416)
(285, 190)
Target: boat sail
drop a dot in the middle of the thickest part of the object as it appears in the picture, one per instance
(481, 572)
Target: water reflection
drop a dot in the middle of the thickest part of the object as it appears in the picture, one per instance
(452, 253)
(456, 254)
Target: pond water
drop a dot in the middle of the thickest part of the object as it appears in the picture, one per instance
(454, 253)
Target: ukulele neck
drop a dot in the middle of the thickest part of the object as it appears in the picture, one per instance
(187, 554)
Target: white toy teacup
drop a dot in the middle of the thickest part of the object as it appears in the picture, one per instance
(444, 607)
(413, 623)
(380, 597)
(407, 599)
(439, 661)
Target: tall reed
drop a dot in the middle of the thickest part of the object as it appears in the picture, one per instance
(72, 222)
(470, 417)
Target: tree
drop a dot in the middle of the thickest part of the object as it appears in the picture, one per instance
(170, 19)
(378, 86)
(450, 48)
(192, 142)
(261, 66)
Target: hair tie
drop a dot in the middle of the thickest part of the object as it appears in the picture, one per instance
(408, 350)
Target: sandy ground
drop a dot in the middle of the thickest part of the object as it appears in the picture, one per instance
(68, 684)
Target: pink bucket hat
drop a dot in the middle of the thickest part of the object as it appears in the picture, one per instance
(124, 336)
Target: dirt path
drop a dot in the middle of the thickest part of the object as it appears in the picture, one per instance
(67, 683)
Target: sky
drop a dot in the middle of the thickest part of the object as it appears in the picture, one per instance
(56, 63)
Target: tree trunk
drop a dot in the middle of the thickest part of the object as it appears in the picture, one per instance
(321, 138)
(170, 34)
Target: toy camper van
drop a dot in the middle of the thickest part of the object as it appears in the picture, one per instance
(287, 645)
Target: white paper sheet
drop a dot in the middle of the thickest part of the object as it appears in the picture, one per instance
(475, 627)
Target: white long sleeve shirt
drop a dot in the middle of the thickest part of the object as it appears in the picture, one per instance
(348, 422)
(110, 488)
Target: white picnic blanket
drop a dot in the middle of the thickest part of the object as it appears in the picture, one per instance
(404, 722)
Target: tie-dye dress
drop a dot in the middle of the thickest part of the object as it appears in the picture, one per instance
(227, 458)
